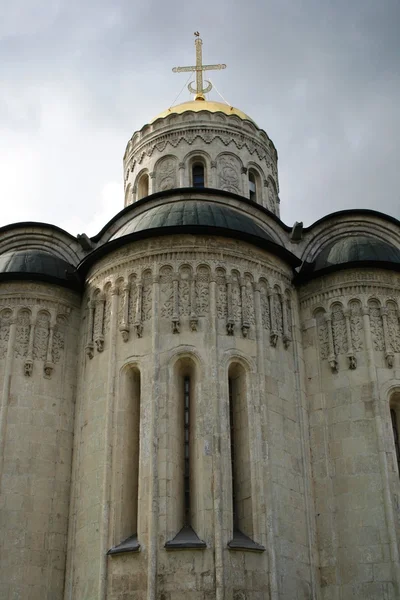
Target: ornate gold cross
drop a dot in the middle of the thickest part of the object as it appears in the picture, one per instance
(199, 68)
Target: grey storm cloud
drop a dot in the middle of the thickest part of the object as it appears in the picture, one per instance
(322, 78)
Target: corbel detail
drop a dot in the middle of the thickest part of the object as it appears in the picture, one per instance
(193, 319)
(230, 323)
(175, 312)
(351, 357)
(99, 339)
(124, 327)
(273, 336)
(28, 364)
(245, 320)
(89, 339)
(332, 359)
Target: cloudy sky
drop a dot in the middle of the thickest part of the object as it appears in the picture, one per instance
(322, 77)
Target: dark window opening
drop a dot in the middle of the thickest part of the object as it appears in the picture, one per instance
(232, 436)
(198, 175)
(186, 442)
(252, 187)
(396, 437)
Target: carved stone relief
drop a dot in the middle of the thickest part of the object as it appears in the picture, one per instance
(41, 336)
(22, 334)
(147, 306)
(229, 174)
(166, 292)
(236, 298)
(185, 273)
(222, 307)
(166, 174)
(5, 321)
(376, 324)
(356, 325)
(203, 290)
(393, 326)
(265, 311)
(59, 338)
(322, 333)
(339, 330)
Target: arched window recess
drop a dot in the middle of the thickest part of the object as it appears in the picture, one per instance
(126, 502)
(242, 500)
(143, 186)
(187, 480)
(254, 185)
(395, 421)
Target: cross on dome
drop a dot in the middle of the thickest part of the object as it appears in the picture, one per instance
(199, 91)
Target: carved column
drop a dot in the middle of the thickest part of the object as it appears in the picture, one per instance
(134, 194)
(89, 336)
(264, 193)
(350, 351)
(389, 355)
(230, 323)
(273, 336)
(213, 174)
(245, 318)
(48, 365)
(193, 320)
(5, 398)
(124, 327)
(28, 365)
(99, 337)
(152, 182)
(175, 306)
(138, 309)
(245, 182)
(181, 174)
(285, 323)
(333, 363)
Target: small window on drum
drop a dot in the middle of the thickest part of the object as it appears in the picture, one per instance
(198, 175)
(252, 186)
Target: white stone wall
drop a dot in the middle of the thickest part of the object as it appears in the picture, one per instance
(38, 337)
(350, 323)
(216, 301)
(227, 146)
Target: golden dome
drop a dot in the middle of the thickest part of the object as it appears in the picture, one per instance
(198, 105)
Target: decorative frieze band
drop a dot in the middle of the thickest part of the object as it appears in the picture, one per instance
(185, 300)
(40, 334)
(342, 331)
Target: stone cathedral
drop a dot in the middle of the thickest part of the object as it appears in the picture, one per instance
(201, 402)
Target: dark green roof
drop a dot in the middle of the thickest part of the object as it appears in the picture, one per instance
(193, 213)
(356, 248)
(31, 263)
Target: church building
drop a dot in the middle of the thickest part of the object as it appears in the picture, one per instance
(201, 402)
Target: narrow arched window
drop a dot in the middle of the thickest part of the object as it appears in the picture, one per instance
(198, 179)
(395, 419)
(242, 511)
(126, 499)
(252, 186)
(143, 186)
(184, 458)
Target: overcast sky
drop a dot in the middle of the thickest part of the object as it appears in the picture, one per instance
(79, 77)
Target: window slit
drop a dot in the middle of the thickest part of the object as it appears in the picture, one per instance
(232, 437)
(396, 437)
(186, 405)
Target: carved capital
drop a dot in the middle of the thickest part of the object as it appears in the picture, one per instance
(286, 341)
(213, 164)
(152, 175)
(352, 360)
(243, 170)
(245, 329)
(48, 369)
(273, 339)
(89, 349)
(124, 329)
(181, 165)
(389, 357)
(193, 322)
(99, 341)
(138, 329)
(175, 326)
(230, 327)
(28, 367)
(333, 363)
